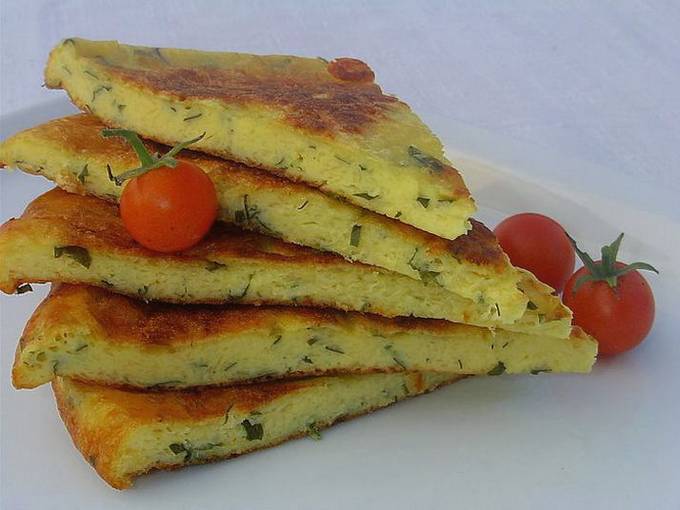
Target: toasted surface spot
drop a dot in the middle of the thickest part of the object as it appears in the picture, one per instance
(288, 115)
(94, 335)
(124, 434)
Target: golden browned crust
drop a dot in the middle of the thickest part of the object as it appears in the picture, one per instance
(80, 134)
(127, 409)
(91, 222)
(127, 320)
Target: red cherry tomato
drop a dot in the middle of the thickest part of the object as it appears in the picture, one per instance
(169, 209)
(619, 317)
(538, 244)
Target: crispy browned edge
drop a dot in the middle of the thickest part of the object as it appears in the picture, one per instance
(81, 134)
(356, 105)
(91, 448)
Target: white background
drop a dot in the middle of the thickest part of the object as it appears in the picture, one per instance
(576, 102)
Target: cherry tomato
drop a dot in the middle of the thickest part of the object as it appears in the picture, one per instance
(538, 244)
(611, 301)
(618, 318)
(169, 209)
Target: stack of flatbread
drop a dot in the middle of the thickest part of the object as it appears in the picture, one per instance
(345, 272)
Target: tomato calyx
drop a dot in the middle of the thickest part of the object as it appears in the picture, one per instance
(148, 161)
(607, 269)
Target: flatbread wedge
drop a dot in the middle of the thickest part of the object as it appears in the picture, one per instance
(124, 434)
(95, 335)
(70, 238)
(71, 152)
(303, 118)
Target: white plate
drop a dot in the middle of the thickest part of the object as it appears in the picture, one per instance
(608, 440)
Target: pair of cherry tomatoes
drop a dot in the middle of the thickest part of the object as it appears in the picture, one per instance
(611, 301)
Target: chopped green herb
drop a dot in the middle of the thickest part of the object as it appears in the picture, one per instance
(173, 108)
(531, 306)
(334, 349)
(398, 215)
(214, 266)
(505, 345)
(106, 284)
(541, 318)
(100, 89)
(498, 309)
(405, 388)
(355, 236)
(323, 60)
(307, 359)
(24, 288)
(192, 117)
(83, 174)
(280, 163)
(254, 431)
(460, 364)
(537, 371)
(189, 450)
(366, 196)
(341, 159)
(226, 413)
(498, 369)
(313, 431)
(278, 339)
(239, 297)
(230, 366)
(313, 340)
(425, 202)
(425, 159)
(164, 384)
(87, 71)
(77, 253)
(81, 347)
(303, 205)
(121, 107)
(142, 292)
(399, 362)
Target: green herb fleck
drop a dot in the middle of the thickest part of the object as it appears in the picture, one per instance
(498, 369)
(87, 71)
(531, 306)
(505, 345)
(192, 117)
(77, 253)
(313, 431)
(313, 340)
(142, 292)
(230, 366)
(100, 89)
(307, 359)
(537, 371)
(362, 167)
(399, 362)
(226, 413)
(106, 283)
(164, 384)
(498, 309)
(460, 364)
(83, 174)
(425, 159)
(254, 431)
(334, 349)
(24, 288)
(278, 339)
(303, 205)
(323, 60)
(239, 297)
(214, 266)
(341, 159)
(398, 215)
(121, 107)
(366, 196)
(81, 347)
(355, 236)
(425, 202)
